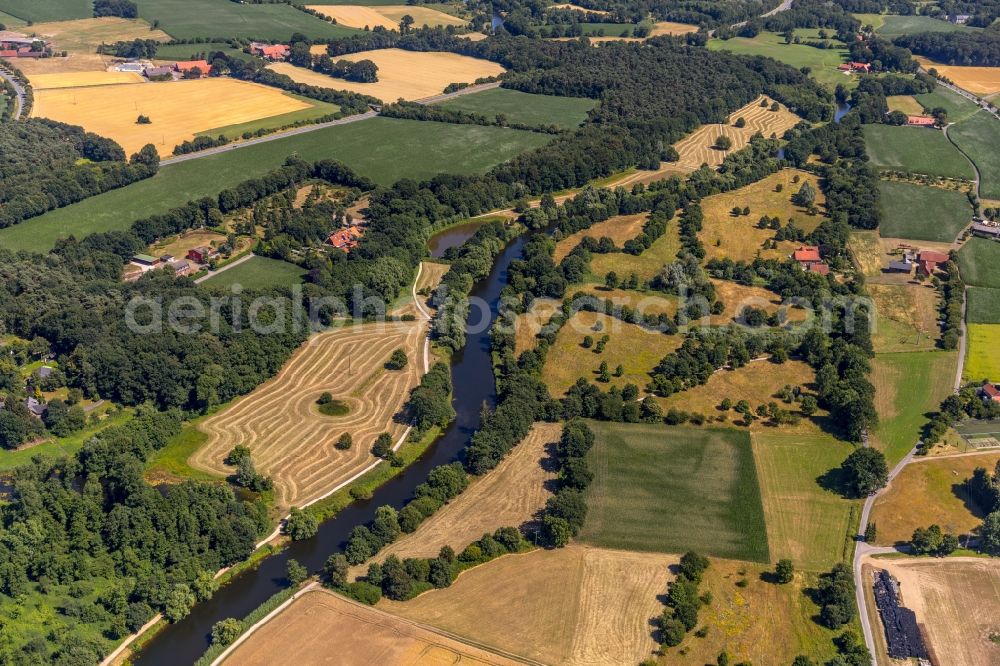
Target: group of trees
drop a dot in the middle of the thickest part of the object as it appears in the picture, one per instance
(984, 490)
(123, 8)
(430, 403)
(965, 48)
(683, 601)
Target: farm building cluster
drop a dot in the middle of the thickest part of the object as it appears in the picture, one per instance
(18, 45)
(925, 261)
(196, 257)
(810, 260)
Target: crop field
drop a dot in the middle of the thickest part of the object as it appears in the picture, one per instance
(979, 137)
(916, 212)
(908, 386)
(636, 349)
(86, 79)
(905, 103)
(168, 53)
(978, 260)
(577, 606)
(619, 229)
(982, 81)
(956, 601)
(50, 10)
(402, 74)
(509, 496)
(524, 108)
(931, 491)
(646, 265)
(906, 317)
(697, 148)
(189, 19)
(739, 238)
(916, 150)
(983, 305)
(259, 273)
(823, 62)
(313, 111)
(384, 149)
(982, 360)
(178, 110)
(319, 621)
(385, 16)
(668, 489)
(757, 382)
(290, 440)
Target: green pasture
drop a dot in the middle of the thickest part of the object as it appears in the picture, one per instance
(979, 137)
(956, 106)
(259, 273)
(668, 489)
(983, 305)
(917, 150)
(979, 263)
(822, 62)
(891, 25)
(39, 11)
(188, 19)
(524, 108)
(918, 212)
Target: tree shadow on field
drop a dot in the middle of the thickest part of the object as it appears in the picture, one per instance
(550, 464)
(835, 481)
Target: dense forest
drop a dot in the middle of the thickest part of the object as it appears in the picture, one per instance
(974, 49)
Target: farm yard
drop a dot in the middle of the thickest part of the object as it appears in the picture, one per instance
(697, 148)
(822, 62)
(982, 358)
(302, 460)
(916, 150)
(178, 110)
(384, 149)
(979, 136)
(259, 273)
(575, 605)
(956, 601)
(409, 75)
(318, 619)
(385, 16)
(524, 108)
(930, 492)
(740, 238)
(982, 81)
(639, 502)
(917, 212)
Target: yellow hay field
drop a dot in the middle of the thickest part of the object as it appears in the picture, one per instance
(573, 605)
(280, 423)
(401, 74)
(569, 5)
(386, 16)
(320, 624)
(738, 238)
(528, 325)
(619, 229)
(671, 28)
(83, 79)
(696, 149)
(178, 110)
(509, 496)
(977, 80)
(905, 103)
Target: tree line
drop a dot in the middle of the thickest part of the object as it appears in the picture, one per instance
(968, 49)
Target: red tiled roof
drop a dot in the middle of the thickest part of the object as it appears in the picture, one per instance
(345, 239)
(274, 50)
(807, 253)
(818, 267)
(991, 390)
(933, 256)
(920, 120)
(191, 64)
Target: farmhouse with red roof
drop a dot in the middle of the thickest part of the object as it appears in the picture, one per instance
(191, 65)
(346, 239)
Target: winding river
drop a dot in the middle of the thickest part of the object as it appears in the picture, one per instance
(472, 375)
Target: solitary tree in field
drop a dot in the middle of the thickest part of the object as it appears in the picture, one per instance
(784, 571)
(143, 120)
(723, 143)
(344, 442)
(382, 446)
(740, 122)
(611, 280)
(866, 471)
(397, 361)
(806, 196)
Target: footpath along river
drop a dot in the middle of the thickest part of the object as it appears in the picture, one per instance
(472, 375)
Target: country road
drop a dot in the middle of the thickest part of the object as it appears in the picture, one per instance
(19, 89)
(318, 126)
(232, 264)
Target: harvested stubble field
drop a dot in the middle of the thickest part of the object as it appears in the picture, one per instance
(982, 360)
(806, 522)
(956, 601)
(576, 605)
(696, 149)
(930, 491)
(178, 110)
(646, 265)
(83, 79)
(529, 324)
(906, 317)
(509, 496)
(319, 624)
(906, 104)
(619, 229)
(280, 423)
(669, 489)
(982, 81)
(402, 74)
(739, 238)
(385, 16)
(636, 349)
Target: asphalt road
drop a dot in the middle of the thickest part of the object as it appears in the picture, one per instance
(19, 89)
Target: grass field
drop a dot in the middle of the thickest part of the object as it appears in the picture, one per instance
(806, 522)
(384, 149)
(401, 74)
(978, 260)
(280, 423)
(313, 111)
(178, 110)
(983, 81)
(386, 16)
(982, 359)
(916, 212)
(646, 265)
(917, 150)
(636, 349)
(954, 104)
(47, 10)
(956, 601)
(866, 251)
(905, 103)
(187, 19)
(319, 619)
(259, 273)
(983, 305)
(619, 228)
(930, 492)
(890, 25)
(908, 386)
(576, 606)
(906, 317)
(823, 62)
(739, 238)
(669, 489)
(525, 108)
(61, 446)
(979, 137)
(172, 52)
